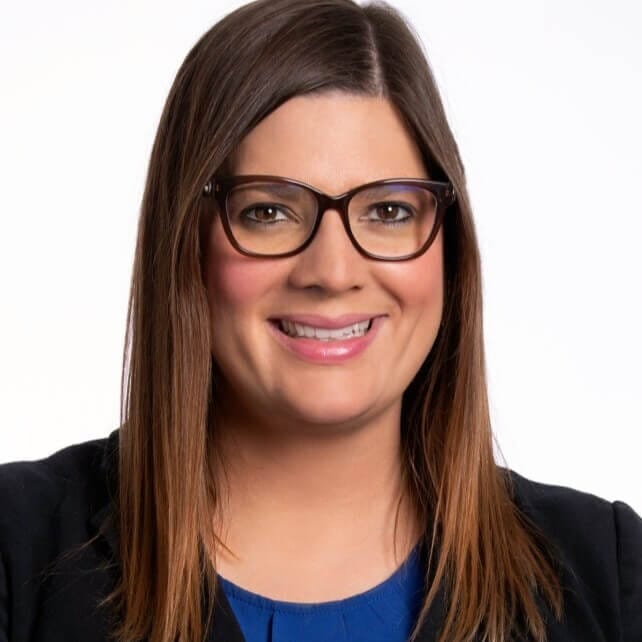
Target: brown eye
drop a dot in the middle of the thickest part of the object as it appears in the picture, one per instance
(389, 213)
(263, 214)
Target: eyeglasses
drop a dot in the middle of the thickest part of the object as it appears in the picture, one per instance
(388, 220)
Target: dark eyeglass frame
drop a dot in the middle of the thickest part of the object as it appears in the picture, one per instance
(220, 186)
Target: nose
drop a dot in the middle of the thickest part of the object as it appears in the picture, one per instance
(331, 262)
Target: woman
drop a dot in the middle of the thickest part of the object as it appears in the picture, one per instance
(306, 450)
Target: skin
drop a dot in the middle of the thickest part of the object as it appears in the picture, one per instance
(312, 451)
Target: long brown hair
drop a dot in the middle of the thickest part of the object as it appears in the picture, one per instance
(493, 560)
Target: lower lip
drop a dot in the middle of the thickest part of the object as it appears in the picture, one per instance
(328, 352)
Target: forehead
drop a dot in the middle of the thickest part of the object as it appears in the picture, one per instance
(333, 141)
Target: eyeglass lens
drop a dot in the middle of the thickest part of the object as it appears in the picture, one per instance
(390, 220)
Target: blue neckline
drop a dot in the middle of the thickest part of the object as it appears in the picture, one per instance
(408, 576)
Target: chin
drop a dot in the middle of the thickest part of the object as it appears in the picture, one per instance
(321, 411)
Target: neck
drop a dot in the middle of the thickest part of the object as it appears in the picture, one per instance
(314, 497)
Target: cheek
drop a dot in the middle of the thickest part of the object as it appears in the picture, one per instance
(419, 290)
(234, 282)
(419, 283)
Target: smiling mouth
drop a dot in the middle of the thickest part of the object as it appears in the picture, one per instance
(304, 331)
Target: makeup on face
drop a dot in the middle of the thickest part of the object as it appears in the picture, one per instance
(326, 335)
(326, 340)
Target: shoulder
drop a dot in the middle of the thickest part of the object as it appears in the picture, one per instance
(563, 511)
(38, 484)
(49, 509)
(598, 542)
(560, 509)
(64, 464)
(63, 487)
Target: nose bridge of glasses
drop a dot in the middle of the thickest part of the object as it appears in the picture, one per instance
(338, 203)
(335, 242)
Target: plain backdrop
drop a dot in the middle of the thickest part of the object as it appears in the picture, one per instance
(544, 99)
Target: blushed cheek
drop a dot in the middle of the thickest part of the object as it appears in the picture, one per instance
(421, 295)
(235, 283)
(419, 283)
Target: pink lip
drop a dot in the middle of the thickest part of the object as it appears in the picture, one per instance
(331, 323)
(327, 352)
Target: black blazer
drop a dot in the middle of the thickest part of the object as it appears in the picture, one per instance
(51, 505)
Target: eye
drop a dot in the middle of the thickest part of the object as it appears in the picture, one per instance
(264, 213)
(390, 213)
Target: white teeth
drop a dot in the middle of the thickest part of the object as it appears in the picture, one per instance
(325, 334)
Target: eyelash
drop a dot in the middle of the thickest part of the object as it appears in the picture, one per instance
(403, 221)
(251, 221)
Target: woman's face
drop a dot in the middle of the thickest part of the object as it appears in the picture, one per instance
(333, 142)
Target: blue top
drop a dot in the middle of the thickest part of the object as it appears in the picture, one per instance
(385, 613)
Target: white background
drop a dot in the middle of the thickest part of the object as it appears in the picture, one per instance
(545, 100)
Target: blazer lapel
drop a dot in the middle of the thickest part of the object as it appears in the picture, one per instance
(430, 628)
(225, 627)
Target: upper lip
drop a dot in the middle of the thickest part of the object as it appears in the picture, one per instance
(319, 321)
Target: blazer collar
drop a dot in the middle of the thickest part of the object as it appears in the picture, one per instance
(104, 518)
(225, 625)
